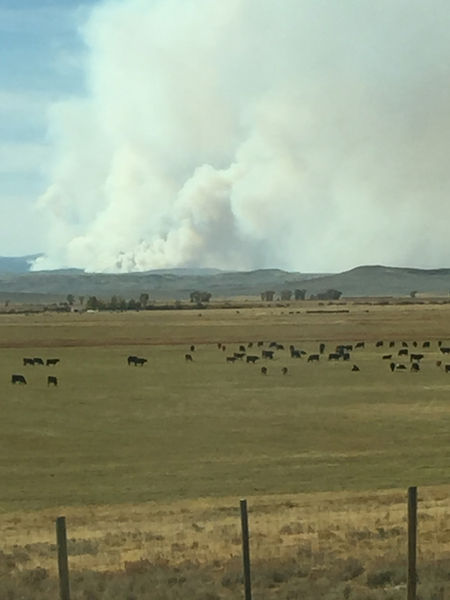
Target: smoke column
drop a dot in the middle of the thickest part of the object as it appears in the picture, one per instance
(304, 134)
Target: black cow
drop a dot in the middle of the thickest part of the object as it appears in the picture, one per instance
(52, 380)
(439, 363)
(279, 347)
(239, 355)
(38, 361)
(242, 349)
(426, 345)
(360, 345)
(403, 352)
(391, 344)
(252, 359)
(355, 368)
(400, 367)
(18, 379)
(132, 360)
(392, 366)
(140, 361)
(231, 359)
(445, 350)
(321, 348)
(415, 367)
(447, 368)
(379, 344)
(51, 361)
(188, 357)
(346, 356)
(250, 345)
(192, 348)
(28, 361)
(296, 353)
(259, 344)
(219, 345)
(334, 356)
(284, 370)
(386, 356)
(273, 344)
(404, 344)
(415, 344)
(264, 370)
(416, 357)
(313, 358)
(267, 354)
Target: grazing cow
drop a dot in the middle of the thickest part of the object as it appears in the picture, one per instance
(447, 368)
(267, 354)
(224, 347)
(355, 368)
(334, 356)
(360, 345)
(231, 359)
(313, 358)
(242, 349)
(415, 367)
(415, 344)
(391, 344)
(273, 344)
(404, 344)
(264, 370)
(439, 363)
(219, 345)
(239, 355)
(296, 353)
(18, 379)
(284, 370)
(386, 356)
(51, 361)
(403, 352)
(445, 350)
(416, 357)
(322, 348)
(192, 348)
(392, 366)
(279, 347)
(259, 344)
(38, 361)
(250, 345)
(400, 367)
(346, 356)
(379, 344)
(140, 361)
(52, 380)
(426, 345)
(188, 357)
(28, 361)
(132, 360)
(252, 359)
(439, 343)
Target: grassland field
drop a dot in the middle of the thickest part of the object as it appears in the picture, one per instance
(126, 441)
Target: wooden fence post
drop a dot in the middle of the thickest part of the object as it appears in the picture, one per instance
(246, 550)
(63, 563)
(412, 543)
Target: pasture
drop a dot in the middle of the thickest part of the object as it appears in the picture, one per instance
(148, 462)
(171, 429)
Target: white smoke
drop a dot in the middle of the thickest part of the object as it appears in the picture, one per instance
(304, 134)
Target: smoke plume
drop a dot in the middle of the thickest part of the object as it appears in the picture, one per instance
(304, 134)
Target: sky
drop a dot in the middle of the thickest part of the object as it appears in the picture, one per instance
(309, 135)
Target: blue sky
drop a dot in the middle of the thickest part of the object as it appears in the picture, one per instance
(41, 61)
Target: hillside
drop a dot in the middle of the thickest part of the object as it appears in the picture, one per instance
(177, 284)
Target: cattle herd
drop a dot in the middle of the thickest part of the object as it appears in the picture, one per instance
(402, 356)
(18, 378)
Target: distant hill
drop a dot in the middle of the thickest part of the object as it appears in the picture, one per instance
(177, 284)
(17, 264)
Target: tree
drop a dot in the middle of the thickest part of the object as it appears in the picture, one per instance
(81, 300)
(413, 293)
(328, 295)
(267, 296)
(92, 303)
(286, 294)
(70, 299)
(143, 299)
(200, 297)
(299, 294)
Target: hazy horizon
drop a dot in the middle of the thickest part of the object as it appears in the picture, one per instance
(148, 134)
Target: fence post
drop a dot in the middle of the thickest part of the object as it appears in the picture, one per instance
(63, 563)
(246, 550)
(412, 543)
